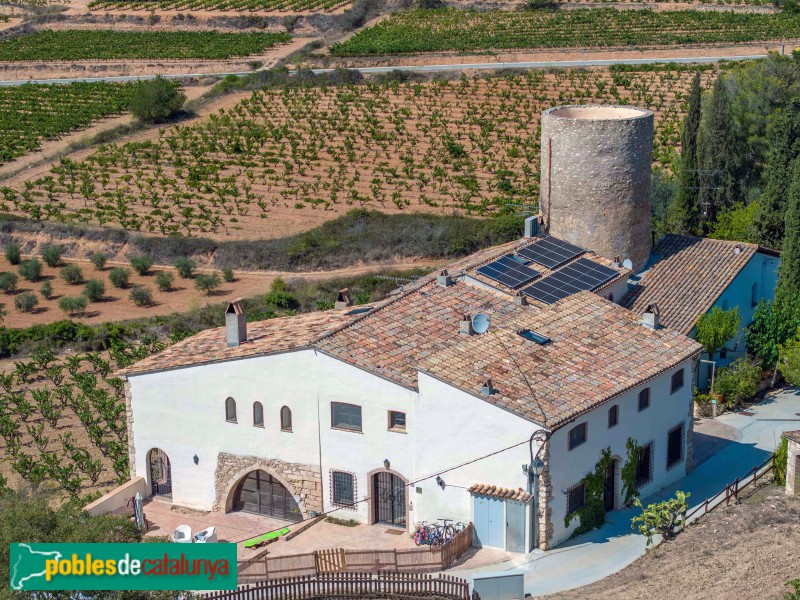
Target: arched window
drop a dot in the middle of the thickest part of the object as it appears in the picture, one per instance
(258, 414)
(754, 295)
(230, 410)
(286, 419)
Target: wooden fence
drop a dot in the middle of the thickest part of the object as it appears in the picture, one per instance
(349, 585)
(731, 490)
(424, 559)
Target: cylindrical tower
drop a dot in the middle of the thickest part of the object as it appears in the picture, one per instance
(595, 180)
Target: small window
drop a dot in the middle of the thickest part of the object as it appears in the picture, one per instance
(644, 466)
(576, 498)
(675, 446)
(533, 336)
(397, 420)
(343, 488)
(577, 436)
(677, 381)
(286, 419)
(230, 410)
(345, 416)
(258, 414)
(754, 295)
(613, 416)
(724, 305)
(644, 399)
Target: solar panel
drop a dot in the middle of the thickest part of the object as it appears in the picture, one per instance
(508, 271)
(583, 274)
(550, 252)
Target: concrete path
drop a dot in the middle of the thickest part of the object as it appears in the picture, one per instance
(605, 551)
(487, 66)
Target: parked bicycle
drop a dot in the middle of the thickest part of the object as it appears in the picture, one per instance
(430, 534)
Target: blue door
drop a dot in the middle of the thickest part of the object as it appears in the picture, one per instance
(489, 520)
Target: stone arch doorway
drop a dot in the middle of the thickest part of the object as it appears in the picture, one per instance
(160, 473)
(389, 498)
(261, 493)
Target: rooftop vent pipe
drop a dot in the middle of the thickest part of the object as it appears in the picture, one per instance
(488, 388)
(651, 317)
(235, 323)
(343, 300)
(444, 279)
(465, 326)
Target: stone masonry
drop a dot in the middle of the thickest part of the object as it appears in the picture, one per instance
(544, 500)
(792, 460)
(129, 429)
(302, 481)
(595, 178)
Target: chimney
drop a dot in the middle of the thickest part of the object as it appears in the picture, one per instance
(488, 388)
(444, 279)
(650, 318)
(343, 300)
(235, 323)
(616, 263)
(520, 300)
(532, 226)
(465, 326)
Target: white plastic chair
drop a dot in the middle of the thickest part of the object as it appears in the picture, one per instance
(182, 535)
(207, 536)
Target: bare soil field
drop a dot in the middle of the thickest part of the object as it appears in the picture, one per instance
(280, 161)
(746, 551)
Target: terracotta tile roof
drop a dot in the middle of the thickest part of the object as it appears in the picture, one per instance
(794, 436)
(263, 337)
(597, 349)
(499, 492)
(689, 277)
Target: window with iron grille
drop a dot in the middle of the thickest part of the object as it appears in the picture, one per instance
(576, 498)
(644, 466)
(644, 399)
(677, 381)
(577, 436)
(675, 446)
(613, 416)
(343, 489)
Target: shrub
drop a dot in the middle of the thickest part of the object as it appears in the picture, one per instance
(343, 522)
(12, 252)
(738, 382)
(228, 275)
(156, 100)
(8, 282)
(98, 260)
(661, 517)
(207, 283)
(72, 274)
(26, 302)
(279, 296)
(141, 296)
(141, 264)
(164, 281)
(46, 290)
(185, 267)
(30, 269)
(94, 290)
(120, 277)
(73, 305)
(780, 458)
(51, 255)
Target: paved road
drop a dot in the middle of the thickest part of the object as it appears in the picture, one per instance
(605, 551)
(487, 66)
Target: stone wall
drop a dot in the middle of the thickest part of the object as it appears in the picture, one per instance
(304, 482)
(792, 483)
(129, 429)
(544, 499)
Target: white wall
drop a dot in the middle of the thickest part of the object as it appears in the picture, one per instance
(666, 411)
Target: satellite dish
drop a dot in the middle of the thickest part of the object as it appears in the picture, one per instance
(628, 264)
(480, 323)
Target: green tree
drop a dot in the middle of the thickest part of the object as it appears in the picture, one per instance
(717, 327)
(12, 252)
(686, 206)
(207, 283)
(774, 323)
(661, 518)
(156, 100)
(736, 224)
(789, 273)
(789, 362)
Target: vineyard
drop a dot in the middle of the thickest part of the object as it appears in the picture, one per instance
(31, 113)
(62, 419)
(221, 5)
(282, 158)
(73, 44)
(466, 30)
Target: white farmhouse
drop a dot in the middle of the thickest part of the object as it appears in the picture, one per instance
(402, 412)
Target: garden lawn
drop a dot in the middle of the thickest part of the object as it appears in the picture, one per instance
(102, 44)
(468, 31)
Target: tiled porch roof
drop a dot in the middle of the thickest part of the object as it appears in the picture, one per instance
(499, 492)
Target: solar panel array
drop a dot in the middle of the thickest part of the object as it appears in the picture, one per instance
(582, 275)
(508, 271)
(550, 252)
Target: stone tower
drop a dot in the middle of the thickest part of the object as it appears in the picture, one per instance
(595, 179)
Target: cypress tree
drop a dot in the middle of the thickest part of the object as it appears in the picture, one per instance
(720, 156)
(686, 200)
(784, 147)
(789, 274)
